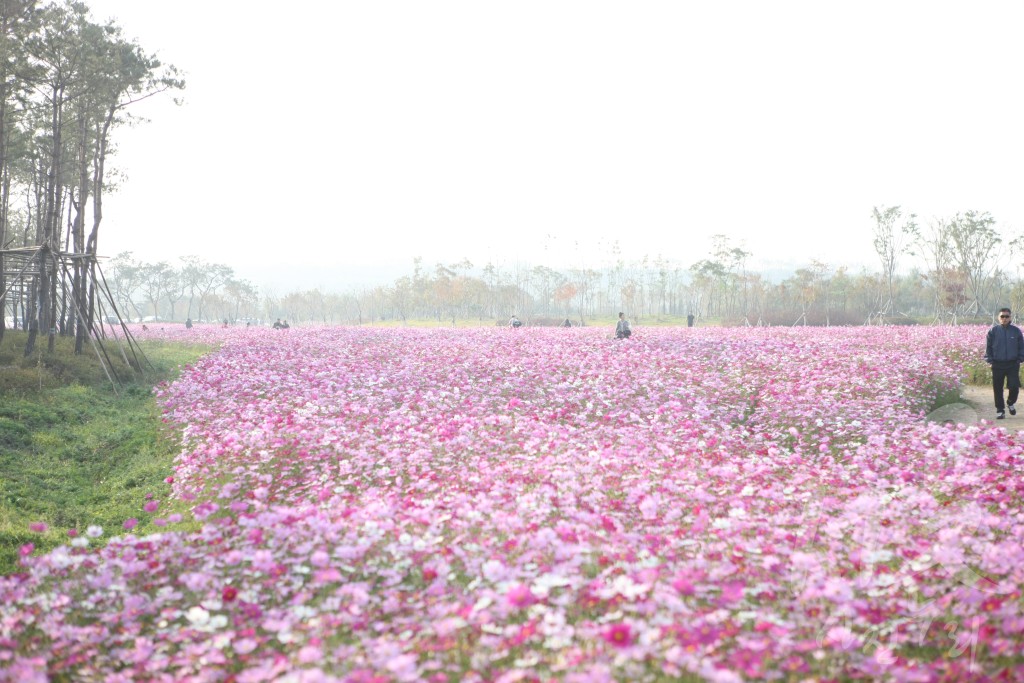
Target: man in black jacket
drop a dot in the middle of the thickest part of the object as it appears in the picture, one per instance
(1004, 351)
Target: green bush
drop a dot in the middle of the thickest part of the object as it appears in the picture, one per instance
(28, 413)
(17, 380)
(978, 373)
(13, 436)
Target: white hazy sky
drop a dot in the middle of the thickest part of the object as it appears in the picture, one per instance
(324, 143)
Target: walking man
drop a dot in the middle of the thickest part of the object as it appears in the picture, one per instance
(1004, 351)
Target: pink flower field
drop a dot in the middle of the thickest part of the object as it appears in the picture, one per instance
(551, 505)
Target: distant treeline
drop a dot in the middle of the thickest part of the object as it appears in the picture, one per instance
(952, 272)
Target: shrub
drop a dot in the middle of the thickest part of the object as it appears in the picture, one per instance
(13, 435)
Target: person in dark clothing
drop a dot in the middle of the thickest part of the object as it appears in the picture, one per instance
(622, 330)
(1004, 351)
(566, 323)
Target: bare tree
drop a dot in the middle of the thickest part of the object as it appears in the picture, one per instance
(975, 242)
(890, 241)
(157, 278)
(211, 278)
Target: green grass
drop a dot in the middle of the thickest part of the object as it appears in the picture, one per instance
(978, 373)
(73, 451)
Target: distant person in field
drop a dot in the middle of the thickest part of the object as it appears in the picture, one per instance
(285, 325)
(1004, 351)
(188, 323)
(567, 323)
(622, 330)
(277, 324)
(514, 322)
(689, 319)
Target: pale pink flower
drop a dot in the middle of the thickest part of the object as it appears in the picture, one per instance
(520, 596)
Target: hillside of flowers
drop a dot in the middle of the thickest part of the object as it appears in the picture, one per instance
(396, 505)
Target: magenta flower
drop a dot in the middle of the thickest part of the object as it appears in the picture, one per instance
(151, 506)
(732, 591)
(618, 634)
(130, 524)
(38, 527)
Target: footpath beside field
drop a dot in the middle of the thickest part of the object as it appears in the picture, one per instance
(979, 399)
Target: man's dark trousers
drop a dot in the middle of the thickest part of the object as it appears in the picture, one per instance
(1005, 371)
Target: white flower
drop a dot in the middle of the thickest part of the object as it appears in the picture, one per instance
(881, 555)
(198, 616)
(542, 585)
(60, 558)
(627, 588)
(94, 531)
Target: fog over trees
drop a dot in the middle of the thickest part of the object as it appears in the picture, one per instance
(952, 270)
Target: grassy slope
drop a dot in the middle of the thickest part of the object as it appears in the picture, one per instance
(74, 453)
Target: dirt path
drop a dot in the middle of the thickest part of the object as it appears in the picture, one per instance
(977, 405)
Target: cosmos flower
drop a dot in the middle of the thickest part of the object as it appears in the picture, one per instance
(618, 634)
(413, 504)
